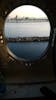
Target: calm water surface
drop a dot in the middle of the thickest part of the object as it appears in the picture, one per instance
(27, 50)
(27, 29)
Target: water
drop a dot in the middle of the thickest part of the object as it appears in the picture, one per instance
(27, 50)
(27, 29)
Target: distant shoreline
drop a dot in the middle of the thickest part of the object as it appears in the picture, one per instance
(25, 20)
(27, 39)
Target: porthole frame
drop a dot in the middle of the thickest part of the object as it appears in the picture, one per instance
(51, 31)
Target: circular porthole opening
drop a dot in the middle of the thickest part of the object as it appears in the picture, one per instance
(27, 31)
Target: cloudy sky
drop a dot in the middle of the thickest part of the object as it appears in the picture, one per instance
(27, 11)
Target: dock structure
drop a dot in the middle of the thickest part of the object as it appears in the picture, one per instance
(27, 39)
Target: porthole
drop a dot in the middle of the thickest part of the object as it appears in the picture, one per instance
(27, 32)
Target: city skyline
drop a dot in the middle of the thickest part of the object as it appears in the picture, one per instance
(25, 18)
(27, 11)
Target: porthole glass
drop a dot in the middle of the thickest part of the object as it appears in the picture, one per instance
(27, 31)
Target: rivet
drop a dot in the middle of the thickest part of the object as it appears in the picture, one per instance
(1, 41)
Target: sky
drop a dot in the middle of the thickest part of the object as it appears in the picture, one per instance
(27, 11)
